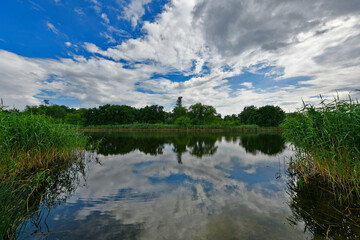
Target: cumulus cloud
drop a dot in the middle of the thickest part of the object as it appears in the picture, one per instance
(305, 48)
(134, 11)
(242, 34)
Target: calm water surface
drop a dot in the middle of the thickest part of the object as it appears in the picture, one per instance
(185, 186)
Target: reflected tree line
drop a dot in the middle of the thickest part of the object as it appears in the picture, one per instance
(198, 145)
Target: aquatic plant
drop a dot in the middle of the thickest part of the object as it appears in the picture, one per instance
(32, 149)
(30, 142)
(326, 139)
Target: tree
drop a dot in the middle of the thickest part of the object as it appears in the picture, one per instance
(183, 121)
(179, 102)
(74, 118)
(152, 114)
(270, 116)
(248, 115)
(179, 110)
(202, 114)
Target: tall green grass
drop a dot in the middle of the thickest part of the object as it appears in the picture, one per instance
(327, 145)
(29, 142)
(32, 148)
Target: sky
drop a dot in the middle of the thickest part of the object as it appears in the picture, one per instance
(228, 54)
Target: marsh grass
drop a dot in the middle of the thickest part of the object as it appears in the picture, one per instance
(32, 149)
(327, 145)
(32, 142)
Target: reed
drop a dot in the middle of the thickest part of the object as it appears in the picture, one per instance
(326, 139)
(32, 148)
(32, 142)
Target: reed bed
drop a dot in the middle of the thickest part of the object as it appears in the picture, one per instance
(32, 148)
(32, 142)
(326, 139)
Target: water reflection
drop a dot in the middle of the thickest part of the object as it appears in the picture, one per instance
(313, 204)
(31, 201)
(140, 191)
(270, 144)
(192, 186)
(198, 145)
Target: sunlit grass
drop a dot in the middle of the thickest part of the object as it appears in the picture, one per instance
(32, 148)
(327, 145)
(31, 142)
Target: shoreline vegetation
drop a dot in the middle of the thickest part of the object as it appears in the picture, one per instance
(34, 153)
(326, 140)
(176, 128)
(197, 116)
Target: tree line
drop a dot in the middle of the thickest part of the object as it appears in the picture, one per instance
(196, 114)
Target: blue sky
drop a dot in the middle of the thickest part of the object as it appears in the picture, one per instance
(228, 54)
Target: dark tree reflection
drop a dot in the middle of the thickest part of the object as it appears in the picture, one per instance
(196, 144)
(313, 204)
(269, 144)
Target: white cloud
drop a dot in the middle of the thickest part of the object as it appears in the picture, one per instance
(68, 44)
(247, 84)
(52, 28)
(79, 11)
(318, 40)
(105, 18)
(134, 11)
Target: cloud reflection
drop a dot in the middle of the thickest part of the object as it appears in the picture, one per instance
(149, 196)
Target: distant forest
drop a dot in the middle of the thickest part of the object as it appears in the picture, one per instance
(197, 114)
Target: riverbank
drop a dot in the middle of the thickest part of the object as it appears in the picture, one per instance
(326, 139)
(176, 128)
(32, 151)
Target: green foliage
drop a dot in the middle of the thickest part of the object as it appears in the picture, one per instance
(231, 120)
(248, 115)
(269, 116)
(74, 118)
(266, 116)
(202, 114)
(183, 121)
(110, 114)
(29, 146)
(151, 114)
(28, 141)
(327, 141)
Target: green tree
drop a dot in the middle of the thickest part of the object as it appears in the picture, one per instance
(202, 114)
(248, 115)
(183, 121)
(270, 116)
(152, 114)
(179, 110)
(74, 118)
